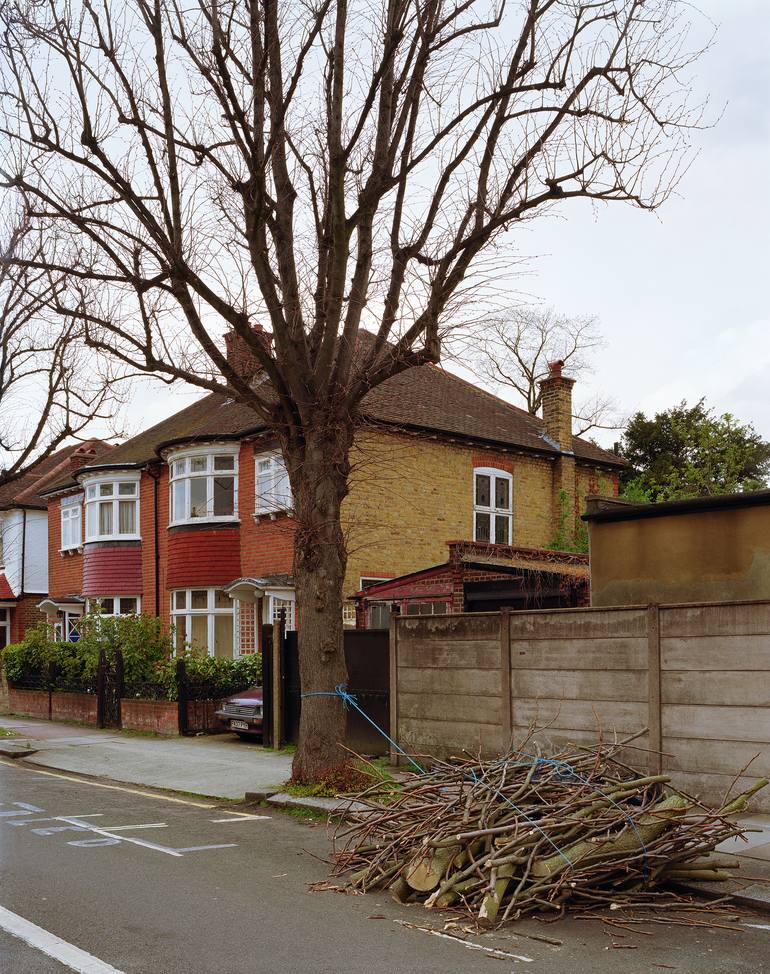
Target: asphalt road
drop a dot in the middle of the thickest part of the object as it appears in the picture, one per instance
(143, 884)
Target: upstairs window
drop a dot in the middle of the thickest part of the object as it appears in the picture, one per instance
(272, 485)
(112, 510)
(71, 522)
(204, 486)
(492, 505)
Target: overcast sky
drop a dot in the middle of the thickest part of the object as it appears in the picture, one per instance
(682, 294)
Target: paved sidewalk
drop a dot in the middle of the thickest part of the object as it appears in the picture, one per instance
(217, 766)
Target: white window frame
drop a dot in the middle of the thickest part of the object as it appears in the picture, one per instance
(211, 611)
(494, 474)
(5, 625)
(67, 624)
(179, 472)
(94, 605)
(264, 503)
(72, 512)
(92, 486)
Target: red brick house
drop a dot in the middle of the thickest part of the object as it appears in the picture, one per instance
(191, 520)
(24, 537)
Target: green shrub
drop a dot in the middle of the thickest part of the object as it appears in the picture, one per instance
(212, 676)
(146, 648)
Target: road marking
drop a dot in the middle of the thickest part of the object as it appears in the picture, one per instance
(103, 832)
(124, 828)
(99, 784)
(202, 848)
(52, 818)
(53, 946)
(22, 808)
(246, 818)
(492, 951)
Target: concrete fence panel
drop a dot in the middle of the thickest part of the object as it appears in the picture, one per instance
(691, 683)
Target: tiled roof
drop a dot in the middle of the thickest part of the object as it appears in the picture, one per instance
(6, 592)
(426, 399)
(27, 490)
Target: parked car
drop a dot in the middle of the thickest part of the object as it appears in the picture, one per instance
(243, 713)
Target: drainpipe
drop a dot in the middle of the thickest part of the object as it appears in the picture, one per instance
(23, 550)
(154, 472)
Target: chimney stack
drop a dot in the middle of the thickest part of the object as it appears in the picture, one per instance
(240, 356)
(80, 457)
(557, 406)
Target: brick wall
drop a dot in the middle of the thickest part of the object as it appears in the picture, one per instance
(410, 496)
(80, 707)
(267, 542)
(65, 571)
(147, 522)
(24, 616)
(157, 716)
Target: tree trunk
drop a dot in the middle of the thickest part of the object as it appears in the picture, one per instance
(319, 475)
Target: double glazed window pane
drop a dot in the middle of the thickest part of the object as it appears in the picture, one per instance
(199, 599)
(126, 517)
(223, 636)
(482, 526)
(198, 497)
(502, 494)
(105, 518)
(199, 635)
(483, 492)
(224, 496)
(502, 528)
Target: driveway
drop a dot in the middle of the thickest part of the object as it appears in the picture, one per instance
(217, 766)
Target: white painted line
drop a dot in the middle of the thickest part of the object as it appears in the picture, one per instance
(51, 818)
(53, 946)
(124, 828)
(493, 951)
(21, 809)
(246, 818)
(99, 784)
(147, 845)
(201, 848)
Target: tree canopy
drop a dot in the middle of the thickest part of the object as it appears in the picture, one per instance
(688, 451)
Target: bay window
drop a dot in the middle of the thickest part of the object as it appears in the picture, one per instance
(204, 485)
(203, 621)
(272, 484)
(112, 508)
(492, 505)
(71, 522)
(115, 605)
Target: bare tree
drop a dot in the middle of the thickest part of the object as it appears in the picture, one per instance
(49, 393)
(321, 166)
(515, 347)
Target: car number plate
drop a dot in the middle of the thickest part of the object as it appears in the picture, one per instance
(239, 725)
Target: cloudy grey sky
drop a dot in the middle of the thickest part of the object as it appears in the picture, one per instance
(682, 294)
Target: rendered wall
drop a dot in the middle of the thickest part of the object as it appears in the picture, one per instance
(692, 680)
(704, 556)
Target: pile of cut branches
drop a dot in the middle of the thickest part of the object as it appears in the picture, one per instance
(502, 839)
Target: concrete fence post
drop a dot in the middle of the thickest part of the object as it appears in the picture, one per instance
(506, 704)
(654, 689)
(393, 679)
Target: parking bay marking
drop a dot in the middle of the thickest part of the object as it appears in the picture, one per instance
(106, 836)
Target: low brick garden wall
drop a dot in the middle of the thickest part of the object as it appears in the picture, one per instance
(157, 716)
(63, 705)
(162, 716)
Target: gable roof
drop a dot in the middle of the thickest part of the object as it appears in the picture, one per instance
(29, 489)
(423, 399)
